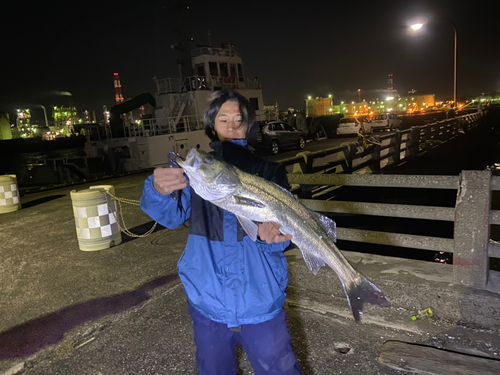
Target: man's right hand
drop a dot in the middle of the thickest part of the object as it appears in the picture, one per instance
(168, 180)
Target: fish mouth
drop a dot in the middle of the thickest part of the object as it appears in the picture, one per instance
(188, 162)
(193, 160)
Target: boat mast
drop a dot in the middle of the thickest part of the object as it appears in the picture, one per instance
(183, 37)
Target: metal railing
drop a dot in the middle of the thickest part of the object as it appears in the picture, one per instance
(214, 52)
(211, 83)
(472, 217)
(165, 125)
(374, 153)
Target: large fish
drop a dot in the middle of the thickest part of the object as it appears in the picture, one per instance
(253, 199)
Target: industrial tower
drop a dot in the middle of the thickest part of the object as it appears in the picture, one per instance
(390, 85)
(118, 89)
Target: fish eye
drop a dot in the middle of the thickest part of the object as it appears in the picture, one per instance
(208, 159)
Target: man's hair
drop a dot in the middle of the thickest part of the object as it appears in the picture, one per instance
(215, 104)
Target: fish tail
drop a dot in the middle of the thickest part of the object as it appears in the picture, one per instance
(362, 292)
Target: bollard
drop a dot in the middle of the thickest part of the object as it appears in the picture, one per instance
(9, 194)
(95, 215)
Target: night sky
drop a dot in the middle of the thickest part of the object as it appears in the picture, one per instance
(294, 48)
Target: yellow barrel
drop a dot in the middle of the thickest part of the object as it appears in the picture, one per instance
(96, 218)
(9, 195)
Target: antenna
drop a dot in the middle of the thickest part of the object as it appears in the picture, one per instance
(209, 38)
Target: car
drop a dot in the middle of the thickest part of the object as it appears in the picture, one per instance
(352, 125)
(277, 135)
(386, 121)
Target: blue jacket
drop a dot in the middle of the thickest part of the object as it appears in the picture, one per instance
(227, 277)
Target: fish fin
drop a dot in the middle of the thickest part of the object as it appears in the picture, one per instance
(249, 227)
(248, 201)
(329, 225)
(364, 292)
(312, 262)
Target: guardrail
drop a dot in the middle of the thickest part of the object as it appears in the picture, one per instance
(471, 244)
(374, 153)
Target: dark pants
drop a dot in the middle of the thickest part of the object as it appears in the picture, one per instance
(267, 345)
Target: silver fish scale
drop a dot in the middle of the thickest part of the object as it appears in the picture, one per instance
(308, 233)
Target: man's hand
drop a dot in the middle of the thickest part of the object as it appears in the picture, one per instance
(270, 233)
(168, 180)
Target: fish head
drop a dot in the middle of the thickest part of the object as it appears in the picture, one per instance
(211, 179)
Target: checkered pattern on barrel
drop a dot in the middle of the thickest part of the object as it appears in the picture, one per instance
(9, 195)
(94, 222)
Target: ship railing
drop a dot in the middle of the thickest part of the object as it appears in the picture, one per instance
(315, 182)
(214, 52)
(168, 85)
(211, 83)
(167, 125)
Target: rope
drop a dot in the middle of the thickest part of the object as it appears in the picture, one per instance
(121, 222)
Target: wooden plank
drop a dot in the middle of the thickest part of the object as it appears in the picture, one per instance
(433, 361)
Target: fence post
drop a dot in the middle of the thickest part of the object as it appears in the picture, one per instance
(472, 229)
(413, 142)
(397, 147)
(349, 151)
(305, 167)
(376, 158)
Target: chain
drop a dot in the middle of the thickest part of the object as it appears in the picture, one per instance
(123, 227)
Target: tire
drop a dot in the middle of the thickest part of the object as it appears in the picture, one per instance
(302, 143)
(275, 147)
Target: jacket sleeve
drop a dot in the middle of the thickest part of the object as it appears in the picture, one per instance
(164, 209)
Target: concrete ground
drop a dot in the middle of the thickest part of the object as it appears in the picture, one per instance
(122, 310)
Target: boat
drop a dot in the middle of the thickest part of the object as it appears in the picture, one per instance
(176, 122)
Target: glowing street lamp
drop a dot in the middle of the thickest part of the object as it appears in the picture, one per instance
(418, 26)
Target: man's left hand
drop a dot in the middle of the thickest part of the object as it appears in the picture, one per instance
(270, 233)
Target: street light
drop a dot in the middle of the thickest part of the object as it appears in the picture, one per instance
(418, 26)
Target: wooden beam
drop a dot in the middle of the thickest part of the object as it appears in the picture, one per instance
(433, 361)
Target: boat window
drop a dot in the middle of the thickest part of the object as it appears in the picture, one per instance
(213, 69)
(232, 70)
(200, 69)
(240, 73)
(224, 72)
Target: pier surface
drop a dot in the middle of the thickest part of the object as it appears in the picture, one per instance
(122, 310)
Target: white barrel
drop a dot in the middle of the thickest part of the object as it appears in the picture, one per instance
(96, 217)
(9, 194)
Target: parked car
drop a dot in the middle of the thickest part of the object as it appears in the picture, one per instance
(352, 125)
(277, 135)
(386, 121)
